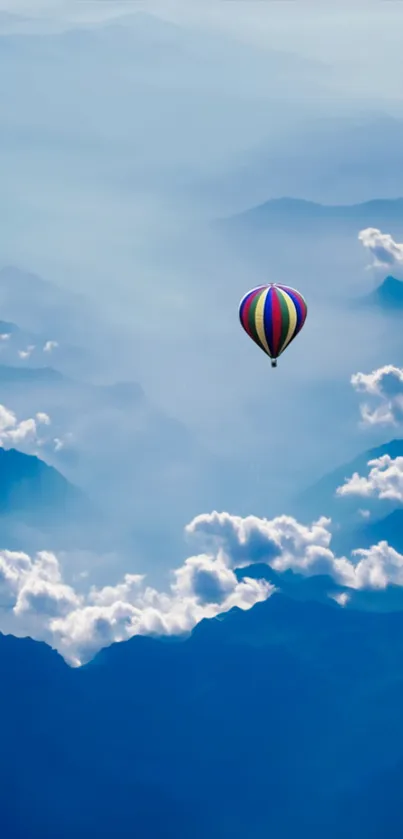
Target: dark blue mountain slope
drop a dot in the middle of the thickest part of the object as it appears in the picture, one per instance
(259, 723)
(40, 509)
(388, 529)
(34, 490)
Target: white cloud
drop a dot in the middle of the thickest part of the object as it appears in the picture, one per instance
(281, 542)
(303, 549)
(35, 600)
(32, 592)
(378, 566)
(50, 346)
(5, 336)
(23, 434)
(382, 246)
(385, 480)
(384, 385)
(26, 353)
(43, 418)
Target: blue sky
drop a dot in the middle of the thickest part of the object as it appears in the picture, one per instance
(127, 131)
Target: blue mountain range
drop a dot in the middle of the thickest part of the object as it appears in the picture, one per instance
(277, 721)
(259, 723)
(290, 702)
(289, 212)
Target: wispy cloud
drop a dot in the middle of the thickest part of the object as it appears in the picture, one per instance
(50, 346)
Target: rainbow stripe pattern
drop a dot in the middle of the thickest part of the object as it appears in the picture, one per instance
(272, 315)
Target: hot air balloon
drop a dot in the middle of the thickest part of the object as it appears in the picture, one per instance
(272, 315)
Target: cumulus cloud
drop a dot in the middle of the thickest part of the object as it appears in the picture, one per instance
(32, 591)
(281, 542)
(35, 599)
(382, 246)
(23, 434)
(378, 567)
(385, 480)
(292, 545)
(385, 386)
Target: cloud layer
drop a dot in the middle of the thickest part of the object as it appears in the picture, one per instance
(35, 599)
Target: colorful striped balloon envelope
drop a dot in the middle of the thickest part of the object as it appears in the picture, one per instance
(272, 315)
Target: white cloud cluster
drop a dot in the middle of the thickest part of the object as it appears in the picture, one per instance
(281, 542)
(27, 435)
(35, 600)
(385, 480)
(23, 434)
(285, 543)
(382, 246)
(384, 385)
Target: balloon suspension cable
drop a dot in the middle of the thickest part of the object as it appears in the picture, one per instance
(274, 362)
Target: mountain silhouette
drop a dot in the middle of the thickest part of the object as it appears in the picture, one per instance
(388, 295)
(17, 376)
(254, 725)
(289, 212)
(30, 487)
(388, 528)
(40, 507)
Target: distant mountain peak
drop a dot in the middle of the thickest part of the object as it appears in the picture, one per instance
(37, 491)
(389, 293)
(8, 327)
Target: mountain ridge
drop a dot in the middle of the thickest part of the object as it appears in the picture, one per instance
(28, 483)
(375, 212)
(282, 695)
(388, 295)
